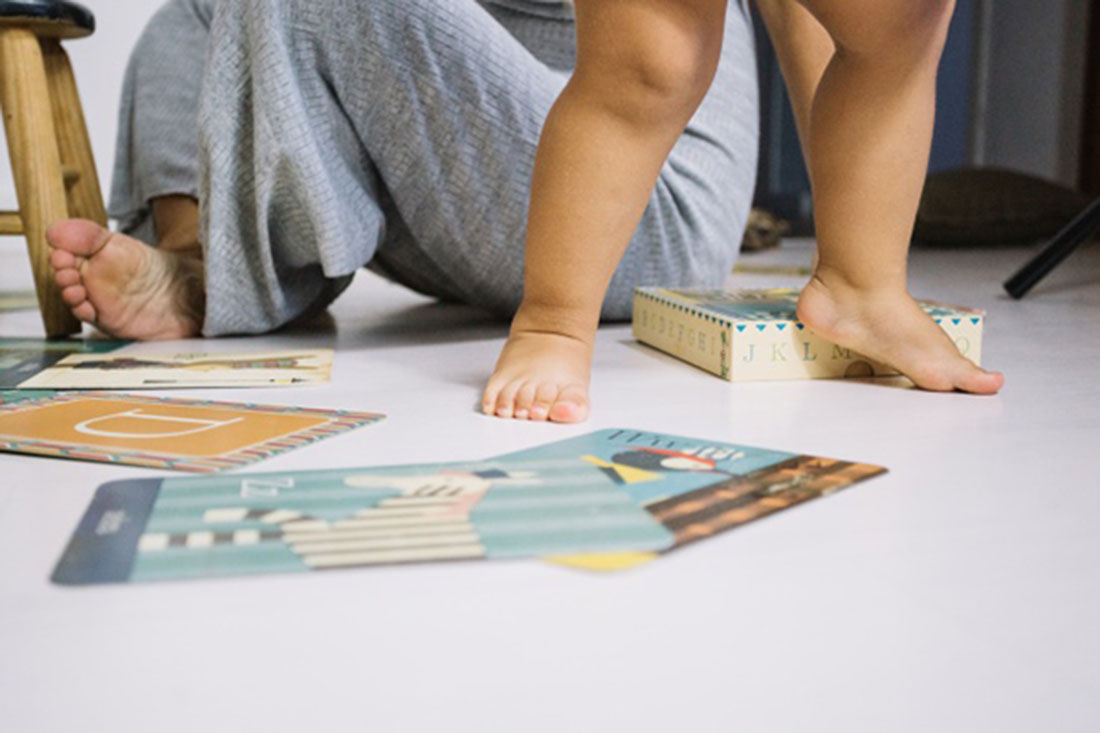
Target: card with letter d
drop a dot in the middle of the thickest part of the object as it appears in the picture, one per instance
(182, 435)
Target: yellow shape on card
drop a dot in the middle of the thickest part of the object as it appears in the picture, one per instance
(605, 562)
(627, 474)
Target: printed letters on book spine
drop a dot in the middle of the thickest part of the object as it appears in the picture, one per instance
(753, 335)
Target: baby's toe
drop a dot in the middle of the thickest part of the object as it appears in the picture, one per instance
(524, 399)
(979, 381)
(491, 393)
(544, 400)
(571, 405)
(506, 400)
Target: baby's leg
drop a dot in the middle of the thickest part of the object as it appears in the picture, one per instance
(868, 140)
(642, 70)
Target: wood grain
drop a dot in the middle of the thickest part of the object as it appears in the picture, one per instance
(36, 164)
(77, 162)
(10, 223)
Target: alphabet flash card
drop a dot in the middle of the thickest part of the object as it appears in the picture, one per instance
(697, 488)
(309, 521)
(177, 371)
(609, 500)
(23, 359)
(182, 435)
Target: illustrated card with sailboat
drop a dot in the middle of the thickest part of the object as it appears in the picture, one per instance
(22, 359)
(177, 434)
(298, 522)
(179, 371)
(697, 488)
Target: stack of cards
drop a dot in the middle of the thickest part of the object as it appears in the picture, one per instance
(185, 435)
(608, 500)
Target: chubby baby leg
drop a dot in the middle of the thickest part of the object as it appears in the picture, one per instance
(642, 70)
(867, 133)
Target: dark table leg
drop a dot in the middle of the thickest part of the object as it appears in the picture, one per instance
(1077, 231)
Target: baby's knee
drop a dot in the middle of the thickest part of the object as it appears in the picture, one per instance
(644, 79)
(668, 76)
(897, 28)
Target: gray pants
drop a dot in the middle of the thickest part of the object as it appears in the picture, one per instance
(324, 135)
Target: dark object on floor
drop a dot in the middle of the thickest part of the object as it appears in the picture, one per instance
(983, 207)
(1085, 226)
(764, 231)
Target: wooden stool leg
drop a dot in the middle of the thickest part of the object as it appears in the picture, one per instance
(85, 197)
(36, 165)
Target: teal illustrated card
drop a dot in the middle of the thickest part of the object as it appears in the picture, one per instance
(168, 529)
(651, 467)
(605, 501)
(697, 488)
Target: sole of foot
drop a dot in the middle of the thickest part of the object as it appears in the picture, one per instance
(124, 287)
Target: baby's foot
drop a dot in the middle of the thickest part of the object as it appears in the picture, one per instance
(890, 327)
(123, 286)
(540, 376)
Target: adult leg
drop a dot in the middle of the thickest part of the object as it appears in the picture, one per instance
(115, 281)
(443, 109)
(292, 199)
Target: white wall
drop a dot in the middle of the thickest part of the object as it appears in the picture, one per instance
(99, 62)
(1030, 101)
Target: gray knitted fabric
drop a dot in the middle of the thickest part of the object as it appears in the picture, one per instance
(321, 136)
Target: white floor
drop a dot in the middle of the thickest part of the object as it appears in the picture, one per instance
(961, 592)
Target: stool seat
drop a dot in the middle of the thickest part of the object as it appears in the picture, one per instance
(52, 18)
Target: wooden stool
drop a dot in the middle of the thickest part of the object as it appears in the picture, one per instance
(51, 156)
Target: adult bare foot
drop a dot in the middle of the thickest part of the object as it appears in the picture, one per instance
(123, 286)
(889, 326)
(541, 375)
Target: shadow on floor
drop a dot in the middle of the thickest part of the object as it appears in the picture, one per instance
(430, 323)
(895, 382)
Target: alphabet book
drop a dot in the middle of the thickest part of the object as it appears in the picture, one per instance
(751, 335)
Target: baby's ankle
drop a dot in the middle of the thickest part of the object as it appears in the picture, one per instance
(567, 321)
(844, 285)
